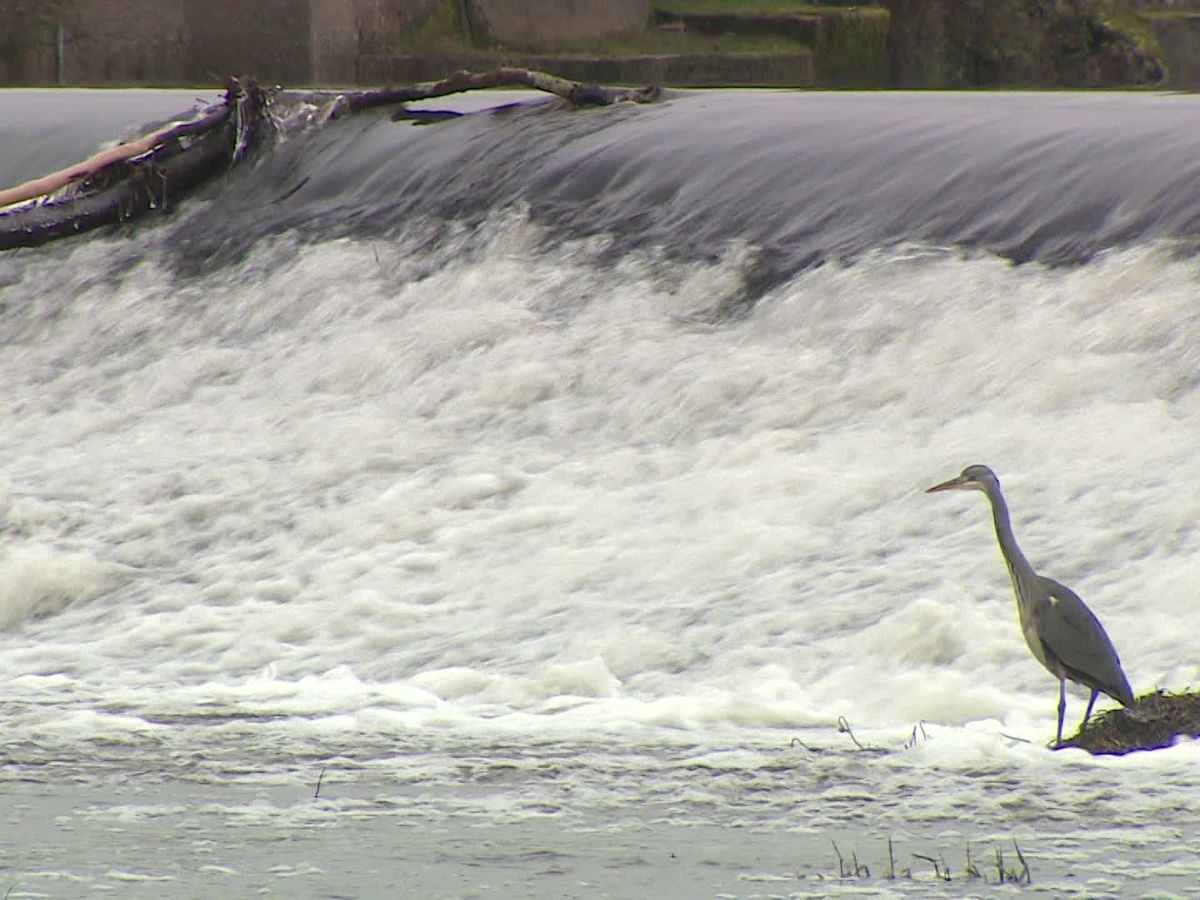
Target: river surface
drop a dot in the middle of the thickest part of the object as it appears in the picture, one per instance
(531, 504)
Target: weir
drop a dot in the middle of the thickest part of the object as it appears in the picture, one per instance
(543, 489)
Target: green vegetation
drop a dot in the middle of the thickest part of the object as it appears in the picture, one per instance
(663, 43)
(935, 43)
(446, 25)
(1147, 14)
(1129, 25)
(742, 7)
(850, 45)
(852, 49)
(1007, 43)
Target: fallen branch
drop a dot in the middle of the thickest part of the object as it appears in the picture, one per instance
(48, 184)
(462, 81)
(153, 171)
(131, 179)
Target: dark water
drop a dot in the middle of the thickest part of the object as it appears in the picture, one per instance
(805, 177)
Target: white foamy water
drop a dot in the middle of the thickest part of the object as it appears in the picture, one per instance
(515, 538)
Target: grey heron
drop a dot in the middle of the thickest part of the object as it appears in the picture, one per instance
(1062, 633)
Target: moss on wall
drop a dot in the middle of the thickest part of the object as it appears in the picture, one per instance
(446, 23)
(851, 49)
(1047, 43)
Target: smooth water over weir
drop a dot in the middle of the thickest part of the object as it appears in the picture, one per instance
(539, 476)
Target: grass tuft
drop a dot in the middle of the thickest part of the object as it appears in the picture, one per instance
(1006, 873)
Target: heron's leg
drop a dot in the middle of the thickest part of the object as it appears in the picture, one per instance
(1087, 715)
(1062, 707)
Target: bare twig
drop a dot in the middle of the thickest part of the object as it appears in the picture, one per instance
(463, 80)
(1027, 876)
(1013, 737)
(860, 871)
(972, 869)
(797, 740)
(320, 778)
(844, 728)
(942, 871)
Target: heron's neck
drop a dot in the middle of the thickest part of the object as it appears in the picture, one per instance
(1017, 564)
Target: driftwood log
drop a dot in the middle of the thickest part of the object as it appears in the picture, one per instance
(134, 178)
(153, 172)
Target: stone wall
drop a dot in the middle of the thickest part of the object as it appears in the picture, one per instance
(928, 43)
(537, 24)
(1179, 38)
(293, 42)
(268, 39)
(1015, 43)
(105, 41)
(27, 40)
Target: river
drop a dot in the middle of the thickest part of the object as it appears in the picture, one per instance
(531, 504)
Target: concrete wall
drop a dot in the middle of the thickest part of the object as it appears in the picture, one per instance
(333, 39)
(105, 41)
(267, 39)
(377, 29)
(1179, 38)
(1011, 43)
(110, 40)
(534, 24)
(292, 42)
(27, 40)
(933, 43)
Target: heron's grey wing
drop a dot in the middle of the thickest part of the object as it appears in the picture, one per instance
(1073, 634)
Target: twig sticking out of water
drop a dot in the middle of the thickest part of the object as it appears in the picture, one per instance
(972, 869)
(1005, 874)
(1011, 875)
(942, 872)
(912, 740)
(844, 728)
(854, 869)
(320, 778)
(1024, 864)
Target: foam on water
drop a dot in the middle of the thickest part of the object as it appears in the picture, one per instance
(531, 483)
(513, 523)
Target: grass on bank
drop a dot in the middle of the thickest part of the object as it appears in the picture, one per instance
(750, 7)
(685, 43)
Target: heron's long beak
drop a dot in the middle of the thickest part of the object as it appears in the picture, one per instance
(954, 484)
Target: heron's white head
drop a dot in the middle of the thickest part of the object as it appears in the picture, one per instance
(972, 478)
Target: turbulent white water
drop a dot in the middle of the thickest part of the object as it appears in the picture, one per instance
(508, 531)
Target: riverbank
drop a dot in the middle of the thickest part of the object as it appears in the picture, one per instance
(895, 43)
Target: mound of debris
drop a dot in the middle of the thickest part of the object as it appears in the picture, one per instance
(1155, 720)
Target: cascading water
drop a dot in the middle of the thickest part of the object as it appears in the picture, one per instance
(533, 479)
